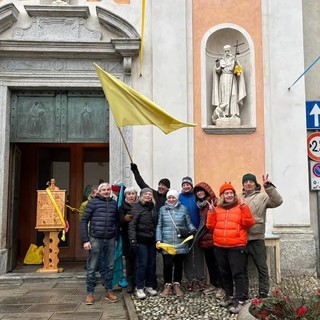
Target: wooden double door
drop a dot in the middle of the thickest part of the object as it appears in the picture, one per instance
(75, 167)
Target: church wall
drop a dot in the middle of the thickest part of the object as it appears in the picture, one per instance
(166, 78)
(172, 77)
(278, 145)
(220, 158)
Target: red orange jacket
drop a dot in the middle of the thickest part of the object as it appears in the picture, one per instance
(230, 226)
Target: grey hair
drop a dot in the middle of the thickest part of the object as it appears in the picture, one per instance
(103, 184)
(129, 190)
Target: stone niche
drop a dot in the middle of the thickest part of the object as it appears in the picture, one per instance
(215, 120)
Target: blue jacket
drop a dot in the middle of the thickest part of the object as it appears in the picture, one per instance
(102, 213)
(189, 200)
(166, 231)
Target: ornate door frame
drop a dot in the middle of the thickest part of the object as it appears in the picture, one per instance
(56, 49)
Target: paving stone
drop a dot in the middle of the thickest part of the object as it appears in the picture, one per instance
(13, 308)
(23, 299)
(77, 316)
(50, 292)
(65, 299)
(27, 316)
(53, 307)
(39, 296)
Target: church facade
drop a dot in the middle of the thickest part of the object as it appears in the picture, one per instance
(56, 122)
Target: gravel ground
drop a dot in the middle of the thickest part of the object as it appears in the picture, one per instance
(196, 305)
(193, 305)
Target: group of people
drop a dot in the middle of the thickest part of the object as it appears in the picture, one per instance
(224, 231)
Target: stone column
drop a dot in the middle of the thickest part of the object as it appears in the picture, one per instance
(4, 169)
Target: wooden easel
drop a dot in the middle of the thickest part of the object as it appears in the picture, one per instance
(48, 221)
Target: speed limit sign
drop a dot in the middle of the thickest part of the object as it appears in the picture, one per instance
(314, 146)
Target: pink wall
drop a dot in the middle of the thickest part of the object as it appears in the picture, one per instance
(220, 158)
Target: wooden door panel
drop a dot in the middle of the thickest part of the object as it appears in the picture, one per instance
(36, 169)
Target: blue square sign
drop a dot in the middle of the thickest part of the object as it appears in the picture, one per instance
(313, 114)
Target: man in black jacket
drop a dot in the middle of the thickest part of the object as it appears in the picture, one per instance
(102, 214)
(160, 194)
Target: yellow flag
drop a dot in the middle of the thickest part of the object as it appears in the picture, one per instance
(167, 247)
(186, 240)
(129, 107)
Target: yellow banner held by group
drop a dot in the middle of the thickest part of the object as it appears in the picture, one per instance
(130, 107)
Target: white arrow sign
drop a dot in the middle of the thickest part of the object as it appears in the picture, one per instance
(315, 112)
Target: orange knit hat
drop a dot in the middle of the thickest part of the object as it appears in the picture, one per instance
(226, 186)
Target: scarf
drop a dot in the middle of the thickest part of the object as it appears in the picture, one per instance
(230, 205)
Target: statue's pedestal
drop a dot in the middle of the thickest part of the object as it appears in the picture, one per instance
(228, 122)
(49, 222)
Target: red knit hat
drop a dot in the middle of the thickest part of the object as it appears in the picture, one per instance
(115, 188)
(226, 186)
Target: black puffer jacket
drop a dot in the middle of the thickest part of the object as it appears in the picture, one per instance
(142, 229)
(102, 213)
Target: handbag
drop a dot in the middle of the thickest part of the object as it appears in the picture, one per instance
(182, 232)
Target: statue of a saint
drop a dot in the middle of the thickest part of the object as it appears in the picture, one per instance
(228, 86)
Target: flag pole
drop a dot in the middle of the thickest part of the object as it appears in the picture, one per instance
(143, 16)
(125, 144)
(311, 65)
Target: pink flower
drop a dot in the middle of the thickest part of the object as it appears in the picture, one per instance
(301, 311)
(256, 301)
(318, 292)
(277, 292)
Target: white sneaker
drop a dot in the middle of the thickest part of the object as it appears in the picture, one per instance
(140, 294)
(220, 294)
(210, 289)
(151, 291)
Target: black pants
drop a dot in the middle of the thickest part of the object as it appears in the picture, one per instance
(212, 266)
(232, 263)
(257, 250)
(172, 264)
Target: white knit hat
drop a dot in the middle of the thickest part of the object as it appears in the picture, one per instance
(174, 193)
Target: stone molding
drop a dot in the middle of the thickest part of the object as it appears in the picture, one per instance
(116, 24)
(57, 11)
(56, 28)
(8, 16)
(242, 130)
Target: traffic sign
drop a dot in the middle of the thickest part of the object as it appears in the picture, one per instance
(313, 114)
(315, 175)
(314, 146)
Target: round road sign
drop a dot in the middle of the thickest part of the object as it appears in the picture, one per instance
(316, 169)
(314, 146)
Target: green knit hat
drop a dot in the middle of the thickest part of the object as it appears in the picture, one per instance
(249, 176)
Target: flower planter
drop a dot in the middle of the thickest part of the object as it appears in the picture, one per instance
(244, 313)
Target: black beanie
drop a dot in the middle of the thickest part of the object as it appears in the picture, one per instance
(249, 176)
(166, 182)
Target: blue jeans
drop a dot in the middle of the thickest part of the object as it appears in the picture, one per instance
(107, 247)
(145, 265)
